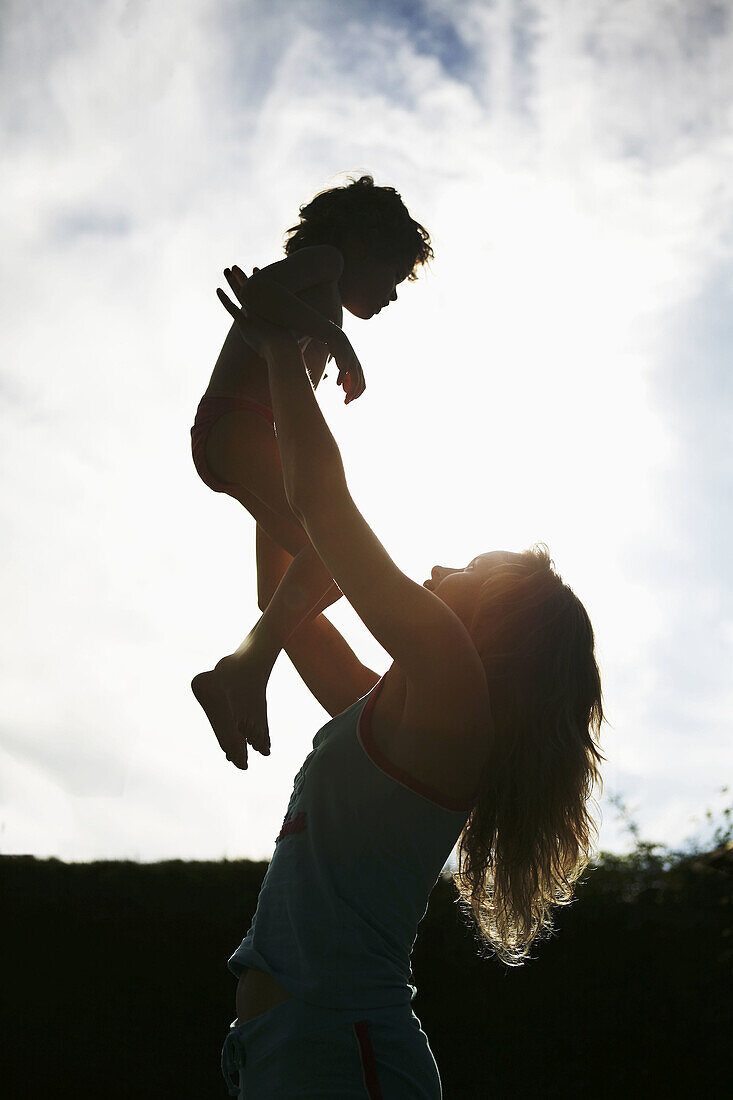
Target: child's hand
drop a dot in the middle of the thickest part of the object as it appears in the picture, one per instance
(350, 375)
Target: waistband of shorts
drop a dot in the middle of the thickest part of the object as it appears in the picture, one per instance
(295, 1011)
(233, 401)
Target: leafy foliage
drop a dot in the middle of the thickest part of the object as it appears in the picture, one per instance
(116, 971)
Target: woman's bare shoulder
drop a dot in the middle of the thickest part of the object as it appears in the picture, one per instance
(454, 704)
(445, 755)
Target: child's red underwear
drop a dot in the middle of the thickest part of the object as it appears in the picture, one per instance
(208, 412)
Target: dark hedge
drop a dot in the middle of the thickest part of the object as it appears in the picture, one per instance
(115, 983)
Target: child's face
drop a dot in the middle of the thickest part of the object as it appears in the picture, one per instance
(369, 285)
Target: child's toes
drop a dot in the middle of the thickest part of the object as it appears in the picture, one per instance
(250, 733)
(262, 741)
(238, 757)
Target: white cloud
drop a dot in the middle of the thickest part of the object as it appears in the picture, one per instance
(573, 164)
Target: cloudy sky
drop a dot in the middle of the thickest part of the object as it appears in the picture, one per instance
(562, 373)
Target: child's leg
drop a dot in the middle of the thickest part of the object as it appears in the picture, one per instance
(233, 695)
(322, 657)
(325, 662)
(244, 673)
(241, 451)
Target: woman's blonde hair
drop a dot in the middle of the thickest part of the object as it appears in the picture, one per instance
(530, 834)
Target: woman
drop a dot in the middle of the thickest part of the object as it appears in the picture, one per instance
(481, 732)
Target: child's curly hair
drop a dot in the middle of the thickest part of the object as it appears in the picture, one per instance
(375, 216)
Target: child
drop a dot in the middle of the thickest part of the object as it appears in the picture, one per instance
(351, 249)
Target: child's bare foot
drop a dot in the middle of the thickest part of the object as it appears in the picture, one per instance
(244, 681)
(210, 694)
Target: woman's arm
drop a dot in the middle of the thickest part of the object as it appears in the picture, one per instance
(421, 633)
(325, 661)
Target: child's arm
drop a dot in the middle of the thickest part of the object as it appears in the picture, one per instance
(272, 293)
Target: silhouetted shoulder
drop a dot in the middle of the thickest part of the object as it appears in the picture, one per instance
(318, 263)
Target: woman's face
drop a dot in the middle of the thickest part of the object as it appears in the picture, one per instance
(459, 588)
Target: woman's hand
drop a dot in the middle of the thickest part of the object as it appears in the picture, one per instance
(350, 375)
(261, 335)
